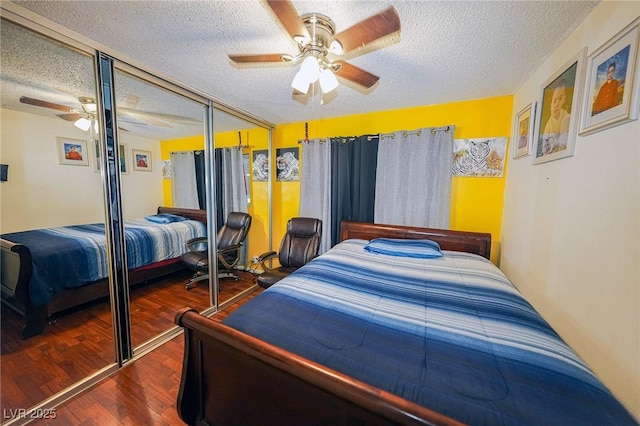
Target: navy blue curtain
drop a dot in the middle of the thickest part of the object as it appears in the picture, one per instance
(353, 180)
(198, 157)
(218, 184)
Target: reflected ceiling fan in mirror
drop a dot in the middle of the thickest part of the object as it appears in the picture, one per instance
(82, 118)
(85, 116)
(320, 48)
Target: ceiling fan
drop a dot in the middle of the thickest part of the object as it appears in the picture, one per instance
(83, 118)
(320, 47)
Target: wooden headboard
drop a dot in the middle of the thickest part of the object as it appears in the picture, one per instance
(199, 215)
(471, 242)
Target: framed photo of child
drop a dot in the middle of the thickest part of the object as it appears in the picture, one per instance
(523, 131)
(72, 152)
(556, 127)
(612, 82)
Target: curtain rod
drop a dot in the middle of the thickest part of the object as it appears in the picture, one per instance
(202, 150)
(415, 132)
(381, 135)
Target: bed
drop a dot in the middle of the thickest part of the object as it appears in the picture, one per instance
(359, 337)
(47, 271)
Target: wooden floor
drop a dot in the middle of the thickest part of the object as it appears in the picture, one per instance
(80, 343)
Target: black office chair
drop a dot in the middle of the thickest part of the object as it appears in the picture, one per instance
(299, 245)
(230, 239)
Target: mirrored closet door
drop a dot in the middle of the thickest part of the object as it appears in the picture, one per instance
(153, 124)
(56, 325)
(80, 128)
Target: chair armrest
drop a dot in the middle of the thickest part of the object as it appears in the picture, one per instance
(229, 249)
(264, 257)
(267, 255)
(221, 252)
(192, 243)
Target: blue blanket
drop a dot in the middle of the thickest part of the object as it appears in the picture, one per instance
(449, 333)
(73, 256)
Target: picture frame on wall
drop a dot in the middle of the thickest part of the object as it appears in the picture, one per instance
(612, 92)
(260, 165)
(72, 151)
(287, 164)
(124, 159)
(556, 127)
(523, 131)
(141, 160)
(97, 162)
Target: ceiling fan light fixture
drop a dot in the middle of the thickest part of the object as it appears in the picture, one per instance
(309, 73)
(88, 104)
(300, 83)
(310, 69)
(90, 108)
(83, 124)
(328, 80)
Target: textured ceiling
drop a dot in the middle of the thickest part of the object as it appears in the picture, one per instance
(446, 51)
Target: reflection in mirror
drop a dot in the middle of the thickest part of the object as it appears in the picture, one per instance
(235, 140)
(237, 144)
(52, 204)
(149, 116)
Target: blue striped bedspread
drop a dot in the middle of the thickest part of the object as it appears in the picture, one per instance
(449, 333)
(73, 256)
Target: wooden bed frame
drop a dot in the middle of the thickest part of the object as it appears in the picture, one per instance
(16, 274)
(229, 377)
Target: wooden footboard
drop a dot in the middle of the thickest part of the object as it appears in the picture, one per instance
(17, 266)
(231, 378)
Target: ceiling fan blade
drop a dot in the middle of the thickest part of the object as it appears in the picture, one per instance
(288, 17)
(71, 116)
(45, 104)
(266, 57)
(371, 29)
(355, 74)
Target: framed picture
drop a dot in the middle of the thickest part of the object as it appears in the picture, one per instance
(167, 171)
(72, 151)
(612, 87)
(141, 160)
(479, 157)
(97, 163)
(124, 162)
(260, 165)
(556, 125)
(124, 159)
(523, 131)
(287, 164)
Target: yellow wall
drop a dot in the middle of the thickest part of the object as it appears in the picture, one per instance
(476, 203)
(259, 207)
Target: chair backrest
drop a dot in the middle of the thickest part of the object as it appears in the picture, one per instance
(301, 242)
(235, 230)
